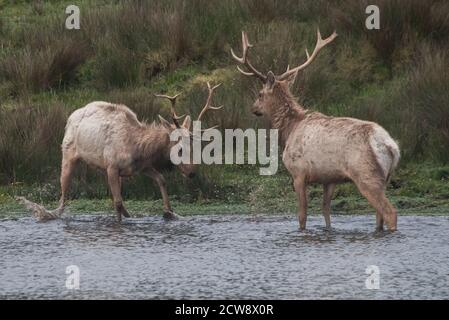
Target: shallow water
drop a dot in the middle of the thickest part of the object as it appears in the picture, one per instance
(224, 256)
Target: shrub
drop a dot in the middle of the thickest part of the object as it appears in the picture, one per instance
(33, 69)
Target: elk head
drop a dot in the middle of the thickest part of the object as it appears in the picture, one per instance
(275, 87)
(184, 142)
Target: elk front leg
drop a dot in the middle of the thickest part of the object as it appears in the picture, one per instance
(159, 178)
(301, 191)
(379, 221)
(114, 185)
(327, 197)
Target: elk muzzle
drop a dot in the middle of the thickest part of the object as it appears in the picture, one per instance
(256, 111)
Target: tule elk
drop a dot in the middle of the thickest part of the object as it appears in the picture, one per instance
(110, 137)
(322, 149)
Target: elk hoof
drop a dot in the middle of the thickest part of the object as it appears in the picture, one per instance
(170, 215)
(125, 213)
(121, 211)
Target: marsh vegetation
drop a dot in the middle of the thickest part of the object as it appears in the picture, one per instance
(126, 51)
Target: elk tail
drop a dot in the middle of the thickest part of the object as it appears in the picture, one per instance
(39, 212)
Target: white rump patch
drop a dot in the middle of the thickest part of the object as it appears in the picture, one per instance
(385, 149)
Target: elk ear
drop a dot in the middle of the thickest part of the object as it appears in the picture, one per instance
(271, 80)
(186, 123)
(165, 123)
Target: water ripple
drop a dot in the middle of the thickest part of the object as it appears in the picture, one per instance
(223, 256)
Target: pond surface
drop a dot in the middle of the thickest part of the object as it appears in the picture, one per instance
(224, 256)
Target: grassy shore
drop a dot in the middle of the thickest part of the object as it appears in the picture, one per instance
(422, 190)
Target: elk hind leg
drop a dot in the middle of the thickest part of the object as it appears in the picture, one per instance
(375, 194)
(328, 190)
(114, 185)
(67, 167)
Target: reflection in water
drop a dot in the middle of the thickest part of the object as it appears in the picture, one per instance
(223, 256)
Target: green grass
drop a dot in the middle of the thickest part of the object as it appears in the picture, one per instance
(415, 189)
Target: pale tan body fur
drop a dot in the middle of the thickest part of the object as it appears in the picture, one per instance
(110, 137)
(330, 150)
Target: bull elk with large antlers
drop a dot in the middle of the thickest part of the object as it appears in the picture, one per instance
(322, 149)
(110, 137)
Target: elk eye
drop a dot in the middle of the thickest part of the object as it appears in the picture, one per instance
(260, 95)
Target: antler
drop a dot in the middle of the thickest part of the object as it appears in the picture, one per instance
(245, 61)
(172, 99)
(208, 106)
(320, 44)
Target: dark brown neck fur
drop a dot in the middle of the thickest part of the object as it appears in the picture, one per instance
(153, 147)
(287, 112)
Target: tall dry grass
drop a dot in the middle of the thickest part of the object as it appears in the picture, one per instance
(29, 142)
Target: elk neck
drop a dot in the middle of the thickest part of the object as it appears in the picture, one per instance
(152, 143)
(287, 113)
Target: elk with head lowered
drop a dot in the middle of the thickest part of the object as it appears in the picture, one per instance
(323, 149)
(110, 137)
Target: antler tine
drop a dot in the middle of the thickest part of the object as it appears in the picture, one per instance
(205, 130)
(245, 46)
(194, 135)
(245, 61)
(212, 89)
(208, 106)
(244, 72)
(320, 44)
(172, 99)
